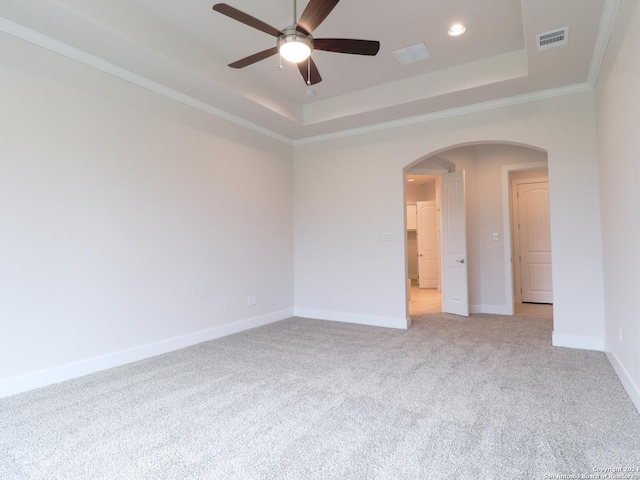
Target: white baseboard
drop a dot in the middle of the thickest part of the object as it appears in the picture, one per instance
(633, 390)
(42, 378)
(577, 341)
(361, 319)
(491, 309)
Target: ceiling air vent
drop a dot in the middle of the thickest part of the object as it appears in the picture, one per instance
(413, 53)
(556, 38)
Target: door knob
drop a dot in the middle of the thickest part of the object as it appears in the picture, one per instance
(460, 261)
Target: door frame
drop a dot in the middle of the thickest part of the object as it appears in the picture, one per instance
(438, 203)
(507, 227)
(448, 167)
(517, 270)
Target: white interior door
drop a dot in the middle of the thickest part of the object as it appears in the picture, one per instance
(535, 242)
(428, 232)
(455, 290)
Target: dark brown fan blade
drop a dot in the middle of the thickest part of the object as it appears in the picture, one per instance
(347, 45)
(309, 70)
(256, 57)
(242, 17)
(314, 14)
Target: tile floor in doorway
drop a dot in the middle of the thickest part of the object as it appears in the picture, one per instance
(429, 300)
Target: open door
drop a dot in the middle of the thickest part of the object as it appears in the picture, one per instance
(428, 255)
(455, 290)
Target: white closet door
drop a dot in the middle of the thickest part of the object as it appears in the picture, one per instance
(428, 270)
(535, 242)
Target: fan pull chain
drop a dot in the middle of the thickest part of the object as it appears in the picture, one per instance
(280, 61)
(309, 71)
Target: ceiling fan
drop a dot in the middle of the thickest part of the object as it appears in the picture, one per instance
(295, 42)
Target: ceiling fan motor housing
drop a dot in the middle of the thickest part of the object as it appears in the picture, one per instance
(294, 46)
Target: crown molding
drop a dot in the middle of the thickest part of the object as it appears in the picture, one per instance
(44, 41)
(607, 22)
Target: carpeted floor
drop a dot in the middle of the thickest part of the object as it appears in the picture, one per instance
(481, 398)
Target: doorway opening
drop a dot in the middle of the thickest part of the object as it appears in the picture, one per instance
(531, 242)
(489, 225)
(423, 244)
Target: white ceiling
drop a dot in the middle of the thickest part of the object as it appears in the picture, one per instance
(182, 48)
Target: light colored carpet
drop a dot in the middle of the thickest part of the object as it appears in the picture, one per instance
(482, 398)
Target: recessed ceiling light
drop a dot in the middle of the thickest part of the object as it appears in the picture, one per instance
(457, 29)
(309, 92)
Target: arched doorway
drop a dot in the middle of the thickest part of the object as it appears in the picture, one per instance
(489, 168)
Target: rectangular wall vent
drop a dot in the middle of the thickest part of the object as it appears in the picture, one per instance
(556, 38)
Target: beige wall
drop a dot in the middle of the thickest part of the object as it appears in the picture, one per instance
(421, 191)
(341, 252)
(129, 224)
(618, 109)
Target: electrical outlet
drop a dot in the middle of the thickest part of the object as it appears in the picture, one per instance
(350, 298)
(389, 237)
(620, 333)
(496, 237)
(251, 300)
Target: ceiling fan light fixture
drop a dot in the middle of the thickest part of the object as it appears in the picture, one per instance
(294, 46)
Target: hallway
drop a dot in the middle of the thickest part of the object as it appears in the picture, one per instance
(424, 300)
(429, 300)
